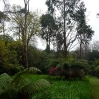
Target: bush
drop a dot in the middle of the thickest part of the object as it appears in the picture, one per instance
(52, 71)
(66, 65)
(83, 64)
(52, 63)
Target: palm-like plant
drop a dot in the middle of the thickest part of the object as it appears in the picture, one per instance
(22, 86)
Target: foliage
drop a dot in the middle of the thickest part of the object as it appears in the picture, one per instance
(15, 52)
(96, 62)
(48, 29)
(70, 70)
(82, 64)
(34, 56)
(44, 61)
(95, 46)
(93, 55)
(70, 20)
(53, 63)
(3, 17)
(21, 86)
(10, 56)
(18, 22)
(97, 70)
(3, 55)
(6, 38)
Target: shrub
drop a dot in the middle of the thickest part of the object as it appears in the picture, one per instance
(52, 71)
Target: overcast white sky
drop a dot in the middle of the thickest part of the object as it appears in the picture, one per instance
(91, 5)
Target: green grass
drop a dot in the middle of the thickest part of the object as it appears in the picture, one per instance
(94, 82)
(62, 89)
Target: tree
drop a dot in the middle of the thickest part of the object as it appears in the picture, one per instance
(6, 38)
(66, 10)
(84, 36)
(84, 31)
(95, 46)
(3, 19)
(3, 16)
(93, 55)
(18, 25)
(49, 28)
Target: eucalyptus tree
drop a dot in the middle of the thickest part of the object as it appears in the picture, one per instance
(84, 31)
(65, 12)
(49, 28)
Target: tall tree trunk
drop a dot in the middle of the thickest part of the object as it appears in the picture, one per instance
(80, 49)
(64, 33)
(25, 39)
(49, 38)
(3, 30)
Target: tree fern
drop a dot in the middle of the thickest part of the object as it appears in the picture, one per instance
(21, 87)
(19, 77)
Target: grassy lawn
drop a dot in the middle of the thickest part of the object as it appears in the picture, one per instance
(63, 89)
(58, 89)
(94, 82)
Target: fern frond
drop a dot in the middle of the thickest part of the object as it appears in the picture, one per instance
(22, 85)
(5, 79)
(32, 70)
(34, 87)
(27, 72)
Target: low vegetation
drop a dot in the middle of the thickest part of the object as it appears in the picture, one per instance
(28, 84)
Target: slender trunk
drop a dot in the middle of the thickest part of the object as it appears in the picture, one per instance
(80, 49)
(86, 50)
(3, 30)
(49, 38)
(49, 43)
(64, 33)
(19, 32)
(25, 39)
